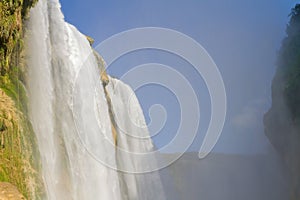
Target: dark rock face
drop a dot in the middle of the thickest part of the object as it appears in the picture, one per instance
(283, 133)
(282, 121)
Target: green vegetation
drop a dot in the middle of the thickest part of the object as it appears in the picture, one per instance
(289, 63)
(19, 156)
(12, 14)
(282, 122)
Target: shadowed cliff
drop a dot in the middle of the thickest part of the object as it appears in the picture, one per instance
(282, 122)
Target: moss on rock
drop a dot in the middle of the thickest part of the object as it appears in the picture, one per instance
(12, 14)
(19, 156)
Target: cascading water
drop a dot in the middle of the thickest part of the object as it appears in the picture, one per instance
(77, 137)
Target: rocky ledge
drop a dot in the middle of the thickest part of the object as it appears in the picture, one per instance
(10, 192)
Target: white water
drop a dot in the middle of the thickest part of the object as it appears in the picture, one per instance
(71, 139)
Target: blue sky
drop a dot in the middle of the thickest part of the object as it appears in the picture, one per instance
(242, 36)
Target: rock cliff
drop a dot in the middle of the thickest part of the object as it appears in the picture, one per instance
(282, 122)
(19, 156)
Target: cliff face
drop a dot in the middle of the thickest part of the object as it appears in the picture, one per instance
(19, 156)
(282, 122)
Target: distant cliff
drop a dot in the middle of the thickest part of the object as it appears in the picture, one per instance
(19, 156)
(282, 122)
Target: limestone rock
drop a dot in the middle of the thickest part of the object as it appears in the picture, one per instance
(101, 64)
(9, 192)
(91, 40)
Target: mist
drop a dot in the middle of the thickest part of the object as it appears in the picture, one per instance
(242, 42)
(243, 38)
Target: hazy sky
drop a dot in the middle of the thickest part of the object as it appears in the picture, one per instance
(242, 36)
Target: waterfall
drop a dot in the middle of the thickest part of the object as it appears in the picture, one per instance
(78, 135)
